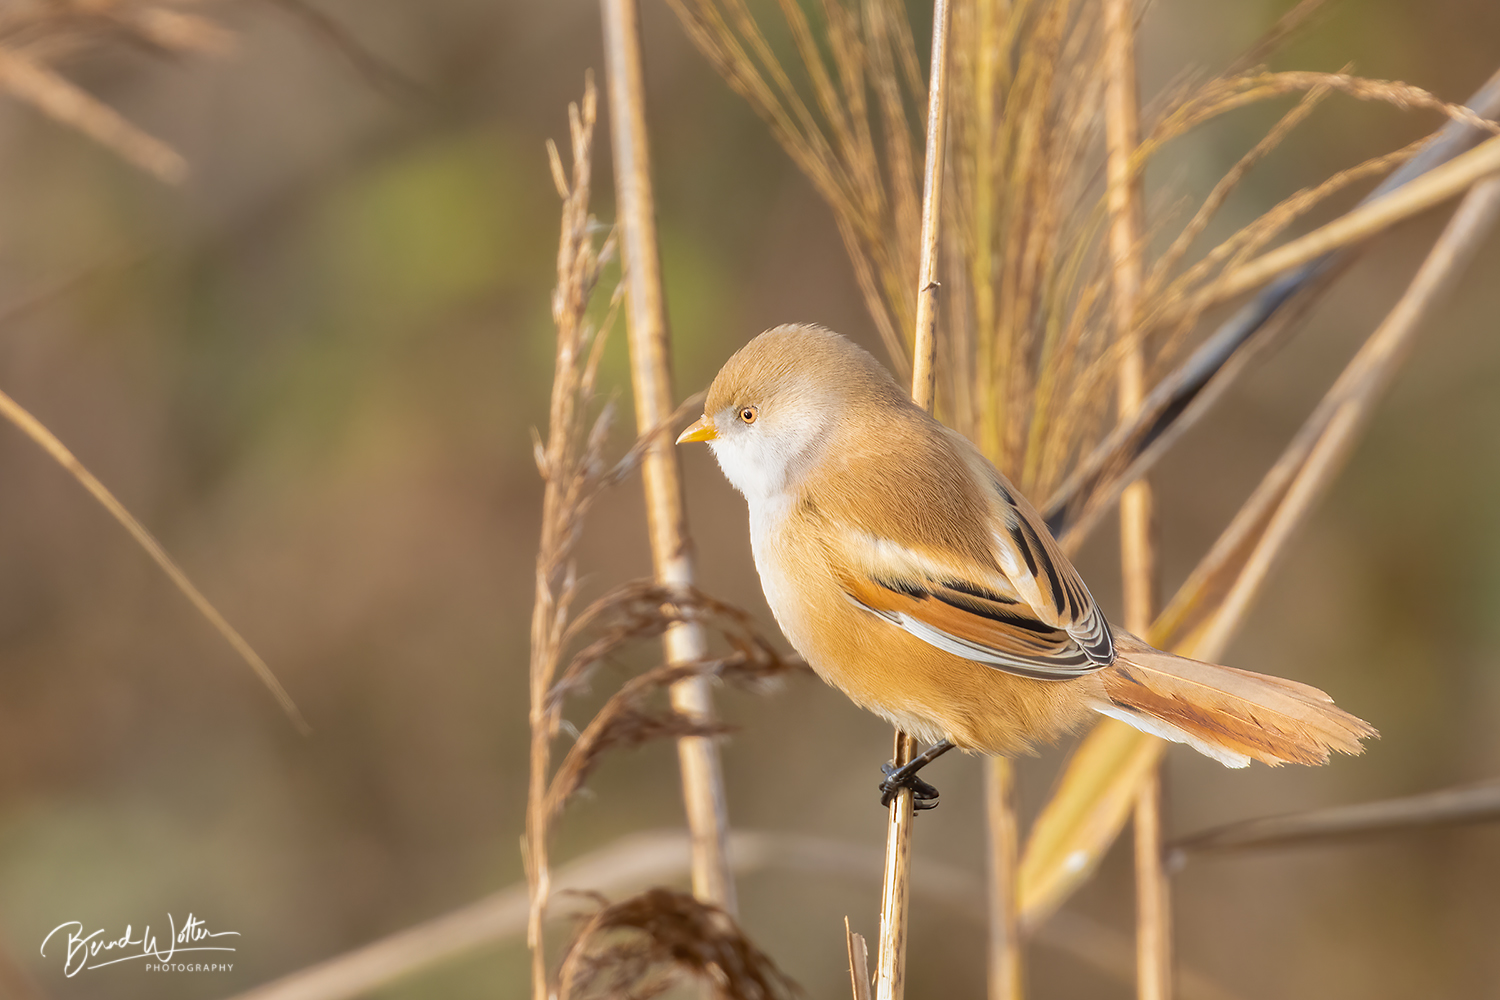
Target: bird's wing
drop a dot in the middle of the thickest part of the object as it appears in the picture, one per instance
(973, 624)
(969, 567)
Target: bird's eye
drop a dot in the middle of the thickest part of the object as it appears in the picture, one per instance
(748, 414)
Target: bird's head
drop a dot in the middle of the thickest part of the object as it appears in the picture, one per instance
(785, 400)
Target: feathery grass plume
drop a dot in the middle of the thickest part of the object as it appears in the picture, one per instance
(636, 612)
(1028, 359)
(572, 466)
(639, 947)
(854, 140)
(642, 610)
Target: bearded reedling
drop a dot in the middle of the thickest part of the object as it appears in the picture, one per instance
(912, 576)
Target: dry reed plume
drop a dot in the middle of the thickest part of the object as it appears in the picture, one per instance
(638, 947)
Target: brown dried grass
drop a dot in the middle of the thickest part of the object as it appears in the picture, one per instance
(36, 36)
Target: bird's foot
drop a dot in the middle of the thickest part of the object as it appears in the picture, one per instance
(923, 795)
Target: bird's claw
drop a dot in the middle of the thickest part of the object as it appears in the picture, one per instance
(923, 795)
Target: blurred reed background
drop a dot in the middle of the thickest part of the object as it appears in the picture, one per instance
(311, 367)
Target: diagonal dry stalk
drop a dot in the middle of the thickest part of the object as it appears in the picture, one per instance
(48, 442)
(1094, 794)
(57, 98)
(650, 367)
(1449, 806)
(32, 36)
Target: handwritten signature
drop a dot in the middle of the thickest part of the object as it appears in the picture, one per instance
(94, 951)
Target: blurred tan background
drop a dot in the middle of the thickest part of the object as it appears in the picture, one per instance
(312, 370)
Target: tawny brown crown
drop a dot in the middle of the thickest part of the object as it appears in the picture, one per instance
(802, 363)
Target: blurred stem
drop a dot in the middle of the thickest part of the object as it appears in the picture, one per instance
(982, 278)
(1153, 894)
(890, 969)
(651, 378)
(1004, 837)
(1137, 551)
(1450, 806)
(33, 428)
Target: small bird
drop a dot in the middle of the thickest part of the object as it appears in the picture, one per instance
(912, 576)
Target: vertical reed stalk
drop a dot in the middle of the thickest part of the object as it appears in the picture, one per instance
(650, 370)
(1137, 551)
(890, 957)
(1004, 835)
(890, 970)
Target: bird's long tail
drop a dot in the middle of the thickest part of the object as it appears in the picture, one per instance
(1231, 715)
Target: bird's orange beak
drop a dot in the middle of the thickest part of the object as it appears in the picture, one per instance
(702, 430)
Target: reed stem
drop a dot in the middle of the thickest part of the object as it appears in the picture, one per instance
(890, 970)
(1137, 548)
(651, 379)
(1004, 839)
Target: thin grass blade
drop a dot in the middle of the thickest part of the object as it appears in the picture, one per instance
(49, 443)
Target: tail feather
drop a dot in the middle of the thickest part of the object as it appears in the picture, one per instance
(1230, 714)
